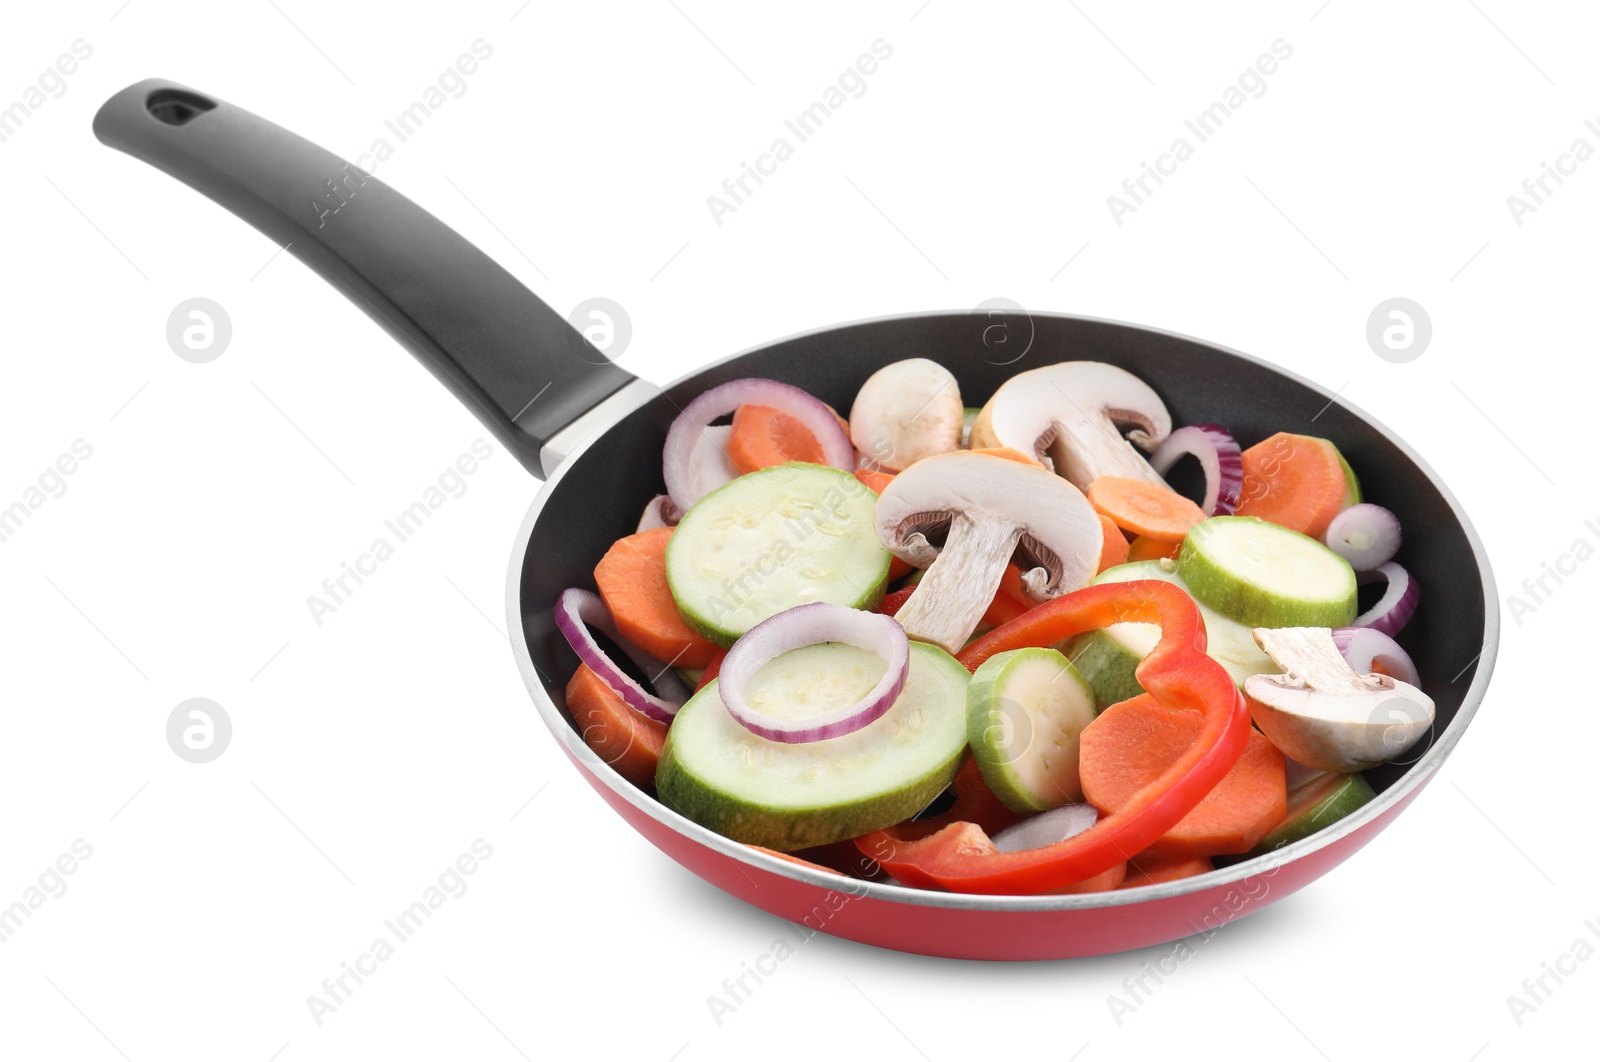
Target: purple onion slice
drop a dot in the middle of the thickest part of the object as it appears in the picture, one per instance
(577, 611)
(1394, 610)
(809, 625)
(1366, 535)
(1220, 459)
(689, 478)
(1362, 647)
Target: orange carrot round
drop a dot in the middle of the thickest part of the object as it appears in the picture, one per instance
(1144, 548)
(1114, 548)
(1294, 480)
(1131, 743)
(632, 579)
(874, 479)
(622, 737)
(1144, 508)
(763, 437)
(1147, 868)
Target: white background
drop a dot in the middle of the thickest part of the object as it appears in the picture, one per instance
(370, 751)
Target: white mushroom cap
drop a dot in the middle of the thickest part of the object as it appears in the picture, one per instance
(905, 412)
(964, 516)
(1069, 416)
(1324, 715)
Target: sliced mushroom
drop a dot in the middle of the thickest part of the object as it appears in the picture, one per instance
(964, 516)
(659, 513)
(1070, 415)
(905, 412)
(1324, 715)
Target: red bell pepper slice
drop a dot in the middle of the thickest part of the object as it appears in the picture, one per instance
(1177, 673)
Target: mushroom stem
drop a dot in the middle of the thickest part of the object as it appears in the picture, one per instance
(1088, 446)
(956, 589)
(1311, 660)
(1323, 714)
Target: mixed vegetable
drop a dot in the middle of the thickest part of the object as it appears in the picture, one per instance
(994, 651)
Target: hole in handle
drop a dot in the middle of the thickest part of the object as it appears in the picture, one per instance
(176, 106)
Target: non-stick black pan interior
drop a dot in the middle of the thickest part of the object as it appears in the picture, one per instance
(601, 497)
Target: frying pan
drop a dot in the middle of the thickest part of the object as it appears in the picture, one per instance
(594, 433)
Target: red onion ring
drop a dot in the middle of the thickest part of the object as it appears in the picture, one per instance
(706, 467)
(659, 513)
(1366, 535)
(1047, 828)
(689, 431)
(577, 611)
(1362, 647)
(1219, 456)
(1394, 610)
(808, 625)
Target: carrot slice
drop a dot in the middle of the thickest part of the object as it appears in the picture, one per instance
(632, 578)
(1294, 480)
(763, 437)
(1144, 508)
(1114, 550)
(620, 736)
(1131, 743)
(1144, 548)
(1147, 868)
(875, 479)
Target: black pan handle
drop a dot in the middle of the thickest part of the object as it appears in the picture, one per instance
(514, 362)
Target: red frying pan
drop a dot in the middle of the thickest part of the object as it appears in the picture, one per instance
(594, 433)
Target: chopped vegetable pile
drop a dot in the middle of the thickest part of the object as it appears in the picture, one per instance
(993, 650)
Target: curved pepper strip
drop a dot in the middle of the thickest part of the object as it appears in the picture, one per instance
(1177, 673)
